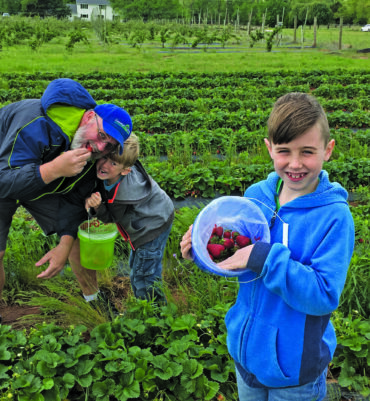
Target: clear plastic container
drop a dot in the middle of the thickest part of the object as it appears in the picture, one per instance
(234, 213)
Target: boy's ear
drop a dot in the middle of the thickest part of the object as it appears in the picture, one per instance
(268, 145)
(329, 149)
(126, 171)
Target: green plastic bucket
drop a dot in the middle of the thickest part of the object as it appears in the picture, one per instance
(97, 244)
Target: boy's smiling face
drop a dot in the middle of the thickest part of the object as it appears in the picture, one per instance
(300, 161)
(108, 169)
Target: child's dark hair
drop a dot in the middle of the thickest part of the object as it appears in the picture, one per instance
(293, 114)
(130, 152)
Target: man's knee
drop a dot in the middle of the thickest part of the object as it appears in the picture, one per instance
(74, 255)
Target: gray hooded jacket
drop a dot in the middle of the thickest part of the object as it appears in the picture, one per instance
(139, 207)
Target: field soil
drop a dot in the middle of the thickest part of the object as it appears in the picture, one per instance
(12, 314)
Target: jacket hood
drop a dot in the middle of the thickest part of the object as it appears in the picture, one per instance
(67, 91)
(326, 192)
(135, 186)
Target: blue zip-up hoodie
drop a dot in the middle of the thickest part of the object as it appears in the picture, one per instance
(279, 332)
(29, 138)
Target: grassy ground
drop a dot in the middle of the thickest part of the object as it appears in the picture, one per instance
(152, 58)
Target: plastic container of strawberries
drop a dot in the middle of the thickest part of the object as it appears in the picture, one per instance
(235, 213)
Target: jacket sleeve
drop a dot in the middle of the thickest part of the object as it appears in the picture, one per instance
(72, 210)
(21, 157)
(314, 284)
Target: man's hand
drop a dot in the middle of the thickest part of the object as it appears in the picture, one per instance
(57, 258)
(68, 164)
(237, 261)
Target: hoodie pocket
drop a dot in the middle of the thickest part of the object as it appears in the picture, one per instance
(260, 355)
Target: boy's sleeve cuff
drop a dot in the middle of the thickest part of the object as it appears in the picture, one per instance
(258, 256)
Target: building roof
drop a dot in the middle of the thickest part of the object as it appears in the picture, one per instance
(73, 8)
(94, 2)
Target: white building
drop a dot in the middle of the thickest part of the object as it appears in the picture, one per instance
(85, 9)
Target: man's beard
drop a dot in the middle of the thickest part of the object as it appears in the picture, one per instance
(79, 141)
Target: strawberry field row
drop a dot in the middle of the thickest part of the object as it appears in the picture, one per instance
(204, 179)
(225, 140)
(173, 104)
(95, 80)
(169, 122)
(245, 93)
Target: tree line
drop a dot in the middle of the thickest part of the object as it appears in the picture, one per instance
(243, 12)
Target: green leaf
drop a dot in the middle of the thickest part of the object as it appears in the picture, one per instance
(26, 397)
(81, 350)
(140, 374)
(4, 354)
(103, 388)
(131, 391)
(84, 381)
(69, 380)
(48, 383)
(212, 388)
(43, 369)
(84, 367)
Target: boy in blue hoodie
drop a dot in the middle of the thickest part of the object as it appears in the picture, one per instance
(279, 330)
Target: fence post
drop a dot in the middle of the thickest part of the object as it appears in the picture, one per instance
(314, 31)
(295, 30)
(340, 33)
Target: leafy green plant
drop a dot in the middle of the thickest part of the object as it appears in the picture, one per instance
(156, 352)
(75, 37)
(353, 335)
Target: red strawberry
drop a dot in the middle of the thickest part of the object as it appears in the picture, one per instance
(228, 243)
(234, 234)
(217, 230)
(242, 241)
(227, 234)
(214, 240)
(215, 250)
(89, 148)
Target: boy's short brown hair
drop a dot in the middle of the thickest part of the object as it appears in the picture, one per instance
(293, 114)
(130, 152)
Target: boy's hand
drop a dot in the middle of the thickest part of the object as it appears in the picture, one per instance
(185, 244)
(94, 201)
(237, 261)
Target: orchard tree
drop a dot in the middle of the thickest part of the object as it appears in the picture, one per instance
(146, 9)
(46, 8)
(10, 6)
(354, 11)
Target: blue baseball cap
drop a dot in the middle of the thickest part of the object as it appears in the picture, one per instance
(116, 122)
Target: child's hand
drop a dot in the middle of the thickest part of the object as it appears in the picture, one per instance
(237, 261)
(185, 244)
(94, 201)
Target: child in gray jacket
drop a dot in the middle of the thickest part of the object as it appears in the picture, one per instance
(143, 212)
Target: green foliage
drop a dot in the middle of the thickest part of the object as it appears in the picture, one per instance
(75, 37)
(255, 36)
(353, 359)
(201, 135)
(138, 37)
(151, 351)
